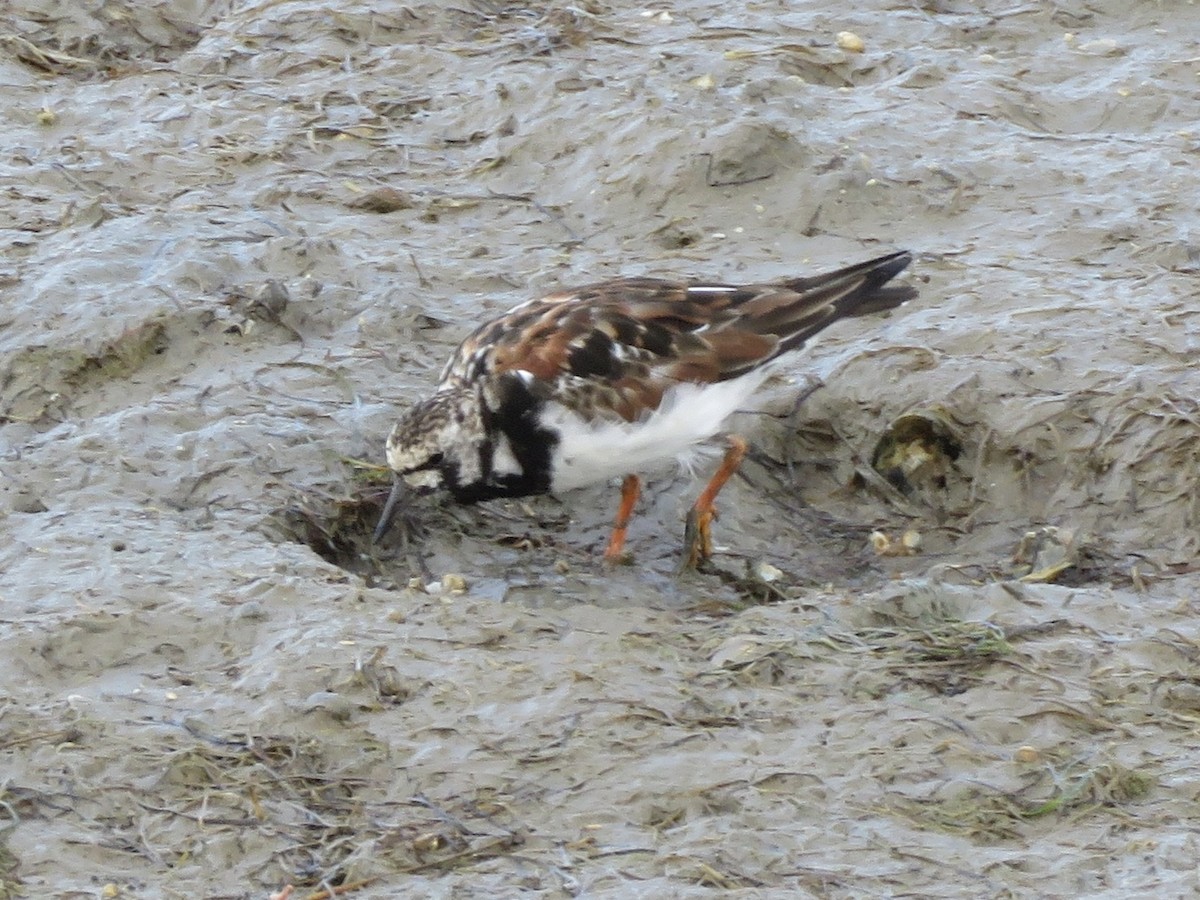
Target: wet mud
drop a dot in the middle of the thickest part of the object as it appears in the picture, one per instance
(948, 646)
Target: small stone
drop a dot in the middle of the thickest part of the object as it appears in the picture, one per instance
(850, 42)
(1027, 754)
(767, 573)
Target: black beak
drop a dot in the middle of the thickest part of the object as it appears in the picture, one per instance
(389, 509)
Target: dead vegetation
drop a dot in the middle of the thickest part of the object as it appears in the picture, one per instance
(1060, 787)
(315, 798)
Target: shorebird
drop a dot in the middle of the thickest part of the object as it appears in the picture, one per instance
(610, 379)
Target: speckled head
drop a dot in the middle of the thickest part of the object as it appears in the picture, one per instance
(436, 443)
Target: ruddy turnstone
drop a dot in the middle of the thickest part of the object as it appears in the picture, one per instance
(608, 379)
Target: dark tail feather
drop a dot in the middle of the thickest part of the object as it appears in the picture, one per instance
(853, 291)
(874, 272)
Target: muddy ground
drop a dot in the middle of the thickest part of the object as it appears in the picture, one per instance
(238, 236)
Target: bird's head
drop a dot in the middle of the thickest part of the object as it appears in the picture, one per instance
(435, 445)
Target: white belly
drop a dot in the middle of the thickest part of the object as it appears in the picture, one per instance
(689, 414)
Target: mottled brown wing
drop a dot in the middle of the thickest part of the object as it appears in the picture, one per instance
(615, 347)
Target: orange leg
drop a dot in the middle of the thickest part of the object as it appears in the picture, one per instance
(697, 535)
(631, 489)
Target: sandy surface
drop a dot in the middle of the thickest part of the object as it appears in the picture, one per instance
(239, 235)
